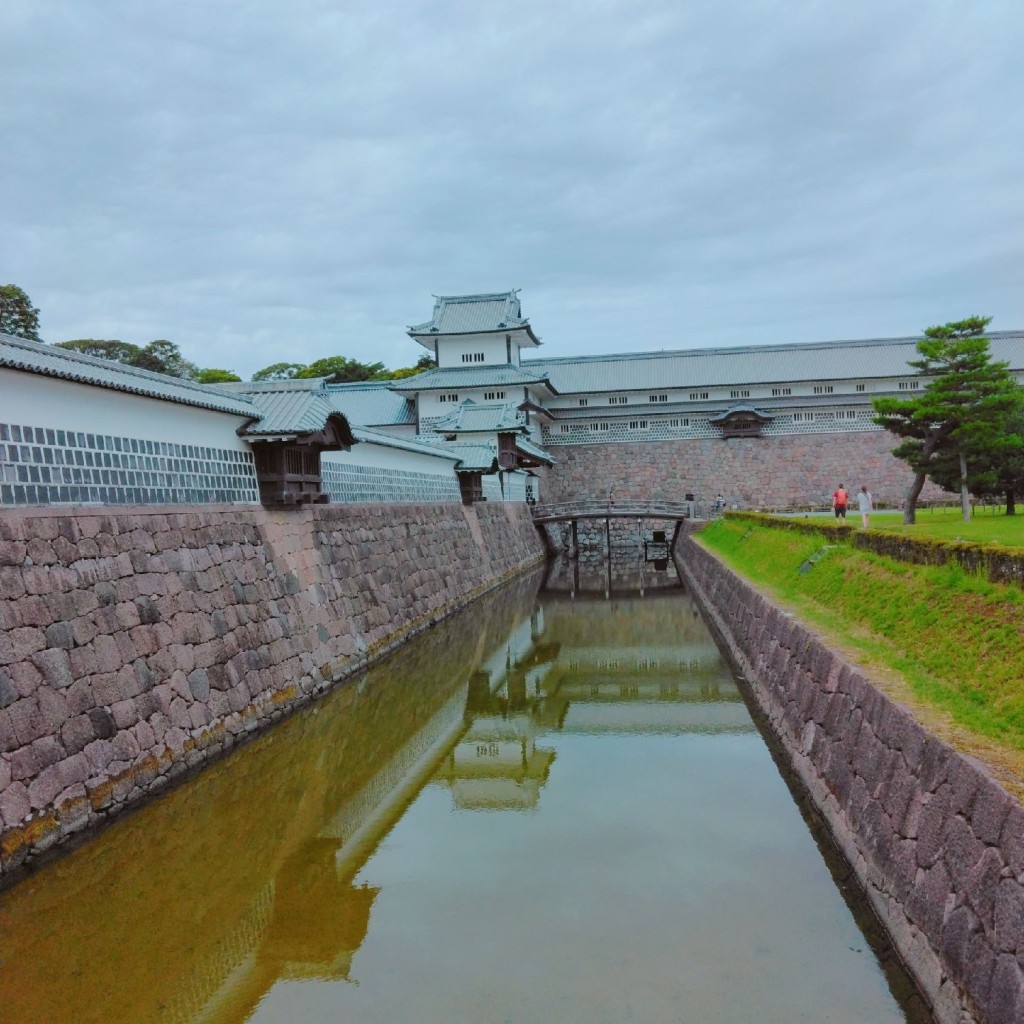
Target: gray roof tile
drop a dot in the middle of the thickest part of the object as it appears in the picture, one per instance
(470, 417)
(761, 364)
(423, 444)
(474, 314)
(36, 357)
(456, 377)
(372, 404)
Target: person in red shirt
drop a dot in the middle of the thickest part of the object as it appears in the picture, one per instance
(840, 499)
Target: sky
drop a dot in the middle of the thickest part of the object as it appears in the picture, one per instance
(261, 181)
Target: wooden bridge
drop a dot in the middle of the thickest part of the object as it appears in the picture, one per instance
(627, 508)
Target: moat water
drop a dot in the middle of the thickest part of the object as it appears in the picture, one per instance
(556, 807)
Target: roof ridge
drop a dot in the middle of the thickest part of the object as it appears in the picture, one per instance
(788, 346)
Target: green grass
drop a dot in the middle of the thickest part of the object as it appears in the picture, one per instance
(987, 525)
(956, 638)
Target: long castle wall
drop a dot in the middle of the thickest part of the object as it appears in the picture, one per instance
(936, 842)
(138, 643)
(763, 472)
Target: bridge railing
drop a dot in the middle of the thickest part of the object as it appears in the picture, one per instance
(624, 507)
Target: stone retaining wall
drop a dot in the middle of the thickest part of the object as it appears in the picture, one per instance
(138, 643)
(758, 472)
(936, 842)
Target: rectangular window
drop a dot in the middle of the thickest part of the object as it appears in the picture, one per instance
(739, 394)
(472, 357)
(448, 398)
(583, 402)
(679, 423)
(638, 424)
(657, 398)
(798, 417)
(618, 400)
(698, 396)
(823, 389)
(565, 428)
(777, 392)
(860, 387)
(492, 396)
(909, 385)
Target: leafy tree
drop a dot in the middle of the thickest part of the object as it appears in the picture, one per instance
(17, 314)
(160, 356)
(212, 376)
(163, 356)
(962, 410)
(343, 370)
(997, 472)
(118, 351)
(278, 371)
(425, 362)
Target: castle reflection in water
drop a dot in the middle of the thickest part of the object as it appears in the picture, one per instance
(193, 908)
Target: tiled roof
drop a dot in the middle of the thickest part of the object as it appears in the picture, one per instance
(475, 458)
(470, 418)
(761, 364)
(49, 361)
(423, 445)
(474, 314)
(527, 447)
(371, 404)
(504, 374)
(734, 409)
(287, 408)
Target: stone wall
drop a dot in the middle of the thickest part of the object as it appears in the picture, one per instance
(764, 472)
(936, 842)
(139, 643)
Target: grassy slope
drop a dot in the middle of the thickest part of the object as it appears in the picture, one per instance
(956, 639)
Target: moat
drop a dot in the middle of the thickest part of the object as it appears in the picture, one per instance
(554, 807)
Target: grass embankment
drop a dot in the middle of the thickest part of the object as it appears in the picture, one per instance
(938, 638)
(987, 525)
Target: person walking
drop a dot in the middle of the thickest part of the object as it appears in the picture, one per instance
(840, 499)
(864, 504)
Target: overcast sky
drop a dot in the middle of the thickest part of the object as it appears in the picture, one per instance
(262, 181)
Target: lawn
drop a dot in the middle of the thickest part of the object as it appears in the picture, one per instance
(953, 638)
(987, 525)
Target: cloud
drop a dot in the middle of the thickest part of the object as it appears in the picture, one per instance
(258, 182)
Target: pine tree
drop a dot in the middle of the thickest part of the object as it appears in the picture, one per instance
(963, 409)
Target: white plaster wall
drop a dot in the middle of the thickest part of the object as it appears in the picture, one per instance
(381, 456)
(451, 350)
(514, 487)
(31, 400)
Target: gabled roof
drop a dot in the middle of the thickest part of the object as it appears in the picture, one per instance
(475, 458)
(527, 447)
(50, 361)
(472, 418)
(475, 314)
(371, 404)
(745, 410)
(454, 377)
(291, 408)
(750, 364)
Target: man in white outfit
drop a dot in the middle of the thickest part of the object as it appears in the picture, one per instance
(865, 504)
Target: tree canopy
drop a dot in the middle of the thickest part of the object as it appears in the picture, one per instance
(215, 376)
(17, 314)
(160, 356)
(962, 412)
(343, 370)
(278, 371)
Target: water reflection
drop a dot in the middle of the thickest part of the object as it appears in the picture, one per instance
(348, 846)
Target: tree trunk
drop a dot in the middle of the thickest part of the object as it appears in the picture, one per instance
(965, 497)
(910, 502)
(1011, 502)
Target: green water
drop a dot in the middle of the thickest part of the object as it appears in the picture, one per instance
(551, 809)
